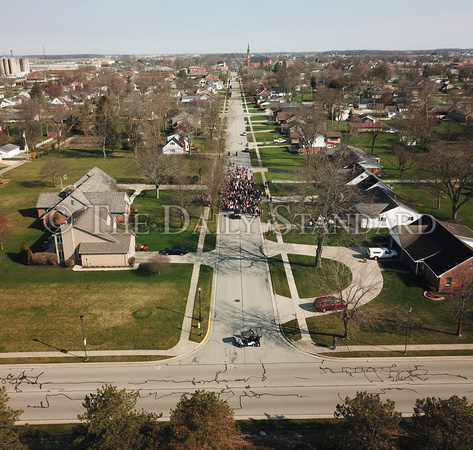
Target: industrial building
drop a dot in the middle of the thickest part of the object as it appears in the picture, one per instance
(12, 66)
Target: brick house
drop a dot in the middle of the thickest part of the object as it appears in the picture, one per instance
(429, 248)
(90, 238)
(365, 127)
(95, 188)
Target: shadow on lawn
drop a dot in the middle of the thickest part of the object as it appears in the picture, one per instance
(176, 312)
(61, 350)
(35, 184)
(29, 212)
(87, 153)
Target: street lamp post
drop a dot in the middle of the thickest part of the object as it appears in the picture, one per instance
(407, 328)
(83, 338)
(200, 314)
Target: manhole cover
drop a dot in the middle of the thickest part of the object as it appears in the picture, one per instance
(237, 300)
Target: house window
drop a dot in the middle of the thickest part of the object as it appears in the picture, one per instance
(471, 265)
(448, 282)
(382, 219)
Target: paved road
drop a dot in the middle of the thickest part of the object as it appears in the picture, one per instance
(275, 380)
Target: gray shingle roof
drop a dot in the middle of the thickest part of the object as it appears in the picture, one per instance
(48, 199)
(105, 239)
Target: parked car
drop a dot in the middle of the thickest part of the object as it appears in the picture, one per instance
(237, 213)
(381, 252)
(177, 250)
(279, 140)
(328, 303)
(246, 150)
(243, 134)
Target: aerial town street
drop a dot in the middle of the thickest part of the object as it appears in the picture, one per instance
(276, 380)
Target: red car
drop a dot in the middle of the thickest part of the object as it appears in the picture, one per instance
(328, 303)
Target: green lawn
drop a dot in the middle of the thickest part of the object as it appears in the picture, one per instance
(256, 118)
(424, 199)
(285, 189)
(205, 284)
(258, 177)
(270, 176)
(266, 137)
(280, 158)
(211, 236)
(152, 229)
(262, 127)
(278, 276)
(340, 237)
(312, 282)
(122, 309)
(432, 322)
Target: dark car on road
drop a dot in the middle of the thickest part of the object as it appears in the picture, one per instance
(237, 213)
(328, 303)
(177, 250)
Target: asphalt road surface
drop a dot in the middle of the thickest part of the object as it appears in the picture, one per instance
(272, 381)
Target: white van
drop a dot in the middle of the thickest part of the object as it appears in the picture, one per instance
(381, 252)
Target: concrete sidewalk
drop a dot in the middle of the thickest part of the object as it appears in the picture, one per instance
(315, 349)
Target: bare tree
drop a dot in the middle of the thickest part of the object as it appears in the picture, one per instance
(9, 85)
(214, 180)
(158, 262)
(374, 132)
(450, 170)
(135, 113)
(463, 297)
(106, 124)
(325, 198)
(155, 167)
(5, 232)
(29, 112)
(310, 123)
(414, 131)
(402, 159)
(427, 91)
(355, 290)
(212, 115)
(53, 168)
(181, 180)
(201, 165)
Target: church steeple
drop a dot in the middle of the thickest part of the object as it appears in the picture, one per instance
(248, 57)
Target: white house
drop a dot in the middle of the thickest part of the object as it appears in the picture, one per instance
(9, 151)
(175, 145)
(382, 207)
(317, 145)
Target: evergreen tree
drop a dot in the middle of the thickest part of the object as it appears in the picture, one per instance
(444, 424)
(111, 422)
(9, 439)
(203, 421)
(368, 422)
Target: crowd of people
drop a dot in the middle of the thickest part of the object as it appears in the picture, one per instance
(240, 192)
(203, 199)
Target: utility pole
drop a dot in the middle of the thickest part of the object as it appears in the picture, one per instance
(83, 337)
(200, 314)
(407, 328)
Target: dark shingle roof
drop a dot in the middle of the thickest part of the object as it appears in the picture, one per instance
(428, 240)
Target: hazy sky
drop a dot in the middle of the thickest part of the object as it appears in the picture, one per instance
(212, 26)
